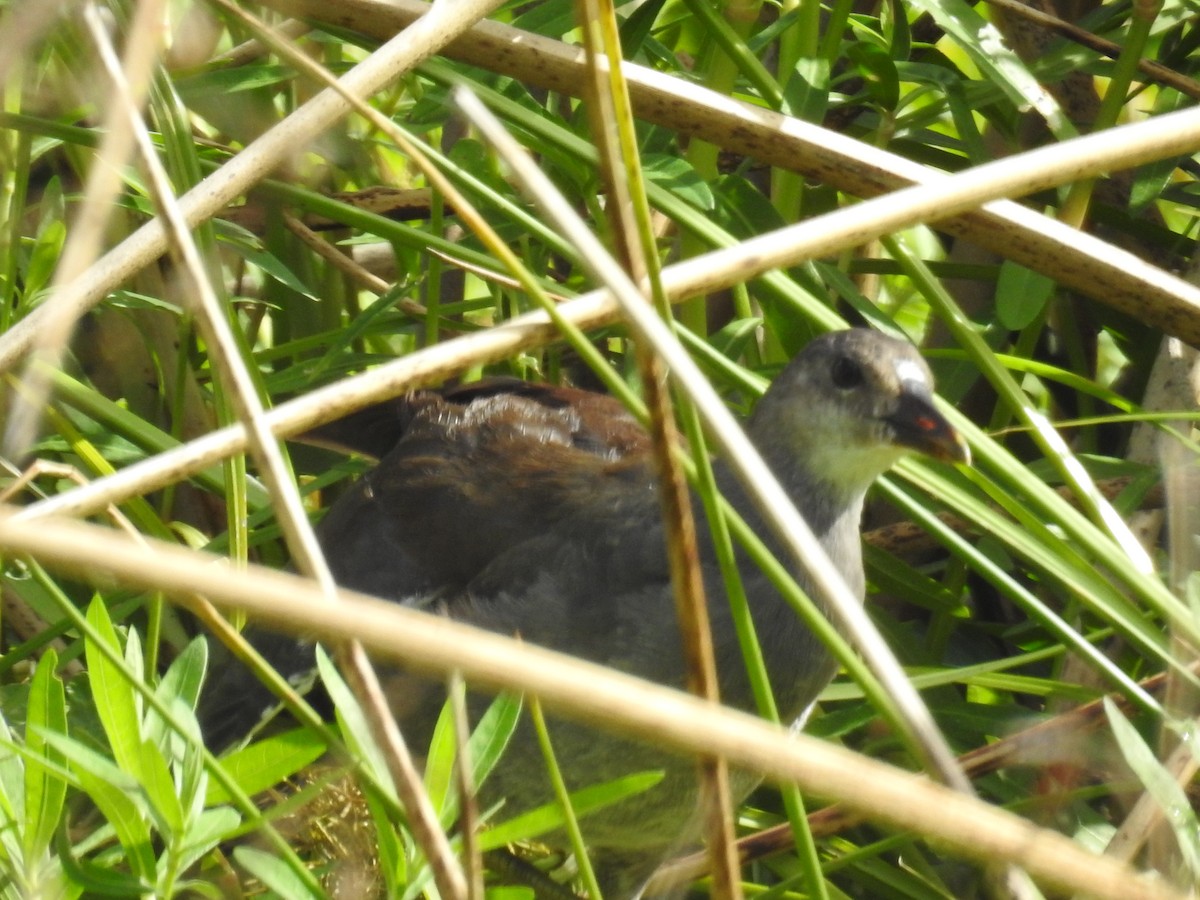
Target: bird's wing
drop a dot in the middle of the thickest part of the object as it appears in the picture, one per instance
(594, 422)
(595, 586)
(469, 482)
(490, 473)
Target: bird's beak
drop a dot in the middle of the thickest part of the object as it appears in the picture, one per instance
(919, 425)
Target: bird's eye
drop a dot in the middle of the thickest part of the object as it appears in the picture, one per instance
(846, 373)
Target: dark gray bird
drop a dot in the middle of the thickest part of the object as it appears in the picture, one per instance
(533, 510)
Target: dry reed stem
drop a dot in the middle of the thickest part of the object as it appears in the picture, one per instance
(825, 234)
(1076, 259)
(263, 156)
(672, 719)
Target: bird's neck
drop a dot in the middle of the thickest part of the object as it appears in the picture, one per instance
(794, 656)
(831, 507)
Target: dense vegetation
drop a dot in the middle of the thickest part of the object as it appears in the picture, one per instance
(241, 244)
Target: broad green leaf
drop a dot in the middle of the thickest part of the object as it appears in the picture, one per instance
(274, 873)
(160, 789)
(116, 702)
(901, 35)
(742, 209)
(97, 880)
(485, 745)
(806, 94)
(1021, 295)
(637, 25)
(878, 71)
(355, 731)
(267, 762)
(675, 174)
(120, 800)
(185, 676)
(993, 57)
(47, 251)
(211, 828)
(12, 794)
(269, 263)
(233, 79)
(504, 892)
(492, 734)
(179, 692)
(732, 339)
(439, 765)
(84, 758)
(549, 817)
(45, 791)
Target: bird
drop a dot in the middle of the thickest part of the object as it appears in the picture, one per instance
(533, 510)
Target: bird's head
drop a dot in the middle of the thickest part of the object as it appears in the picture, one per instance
(850, 405)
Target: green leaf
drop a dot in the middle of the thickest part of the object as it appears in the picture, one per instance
(210, 829)
(179, 692)
(1151, 180)
(248, 248)
(273, 872)
(677, 175)
(119, 708)
(119, 420)
(233, 79)
(901, 34)
(134, 300)
(806, 95)
(47, 251)
(45, 791)
(878, 71)
(185, 676)
(267, 762)
(547, 818)
(485, 746)
(160, 790)
(355, 731)
(1021, 295)
(505, 892)
(742, 209)
(362, 324)
(116, 701)
(119, 798)
(83, 758)
(996, 60)
(439, 765)
(638, 24)
(550, 17)
(12, 793)
(96, 880)
(405, 879)
(734, 337)
(392, 846)
(492, 734)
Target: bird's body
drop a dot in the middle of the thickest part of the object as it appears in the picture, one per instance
(535, 512)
